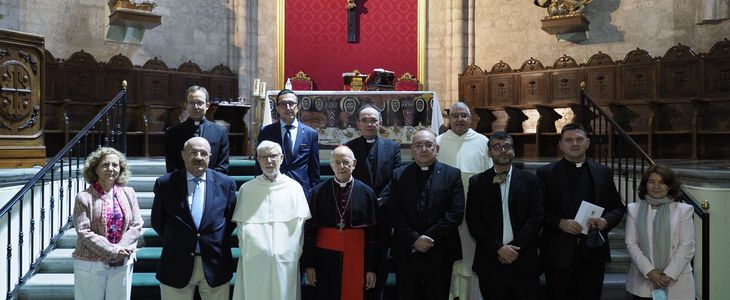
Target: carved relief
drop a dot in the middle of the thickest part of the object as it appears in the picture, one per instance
(501, 90)
(20, 90)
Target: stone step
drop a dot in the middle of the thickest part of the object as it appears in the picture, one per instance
(620, 262)
(148, 238)
(152, 167)
(60, 260)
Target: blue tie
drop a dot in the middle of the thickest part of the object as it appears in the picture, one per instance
(196, 209)
(287, 144)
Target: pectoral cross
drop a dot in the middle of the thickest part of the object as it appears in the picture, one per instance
(341, 225)
(351, 22)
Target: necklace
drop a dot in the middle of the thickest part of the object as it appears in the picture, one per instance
(341, 224)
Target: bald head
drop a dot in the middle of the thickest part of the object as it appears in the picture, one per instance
(196, 155)
(369, 122)
(424, 147)
(343, 163)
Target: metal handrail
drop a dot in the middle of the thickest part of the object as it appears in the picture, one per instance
(614, 135)
(107, 128)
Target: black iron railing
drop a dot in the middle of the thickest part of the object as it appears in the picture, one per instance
(613, 147)
(36, 217)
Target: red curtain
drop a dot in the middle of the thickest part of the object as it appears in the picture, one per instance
(316, 39)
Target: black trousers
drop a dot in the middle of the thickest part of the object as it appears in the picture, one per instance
(418, 280)
(581, 281)
(509, 284)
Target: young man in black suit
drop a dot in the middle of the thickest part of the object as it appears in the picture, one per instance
(192, 213)
(425, 205)
(573, 270)
(196, 105)
(504, 212)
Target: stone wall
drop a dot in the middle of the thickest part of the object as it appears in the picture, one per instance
(201, 31)
(510, 31)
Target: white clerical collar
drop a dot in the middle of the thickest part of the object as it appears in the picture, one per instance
(370, 141)
(578, 165)
(197, 123)
(342, 184)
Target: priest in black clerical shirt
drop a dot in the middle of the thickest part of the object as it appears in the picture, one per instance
(196, 105)
(425, 206)
(341, 240)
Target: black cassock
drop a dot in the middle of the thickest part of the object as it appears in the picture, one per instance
(331, 210)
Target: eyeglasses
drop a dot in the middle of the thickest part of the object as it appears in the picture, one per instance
(344, 163)
(502, 147)
(459, 116)
(287, 104)
(196, 104)
(369, 121)
(269, 157)
(423, 146)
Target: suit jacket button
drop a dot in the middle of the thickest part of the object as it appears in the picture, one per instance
(192, 253)
(198, 235)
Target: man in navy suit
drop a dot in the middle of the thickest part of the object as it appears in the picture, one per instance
(196, 105)
(425, 205)
(573, 270)
(504, 211)
(192, 213)
(299, 142)
(376, 159)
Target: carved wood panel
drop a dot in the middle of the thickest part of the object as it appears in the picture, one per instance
(679, 73)
(473, 87)
(22, 74)
(717, 70)
(601, 84)
(502, 90)
(534, 88)
(566, 86)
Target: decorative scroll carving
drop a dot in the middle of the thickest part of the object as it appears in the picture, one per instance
(600, 59)
(638, 56)
(472, 70)
(120, 61)
(155, 64)
(565, 62)
(501, 67)
(189, 67)
(222, 70)
(532, 64)
(32, 120)
(81, 58)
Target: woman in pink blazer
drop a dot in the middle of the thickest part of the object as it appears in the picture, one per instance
(660, 238)
(108, 223)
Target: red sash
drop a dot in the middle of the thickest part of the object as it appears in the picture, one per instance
(351, 242)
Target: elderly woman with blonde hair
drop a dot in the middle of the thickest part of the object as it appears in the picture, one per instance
(660, 239)
(108, 222)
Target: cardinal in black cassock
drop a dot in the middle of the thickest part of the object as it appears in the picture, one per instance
(341, 240)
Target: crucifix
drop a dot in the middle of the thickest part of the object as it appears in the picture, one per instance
(351, 22)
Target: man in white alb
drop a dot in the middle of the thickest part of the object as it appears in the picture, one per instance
(465, 149)
(270, 215)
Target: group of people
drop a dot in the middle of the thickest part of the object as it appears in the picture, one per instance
(459, 221)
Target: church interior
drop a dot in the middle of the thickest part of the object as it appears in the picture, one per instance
(649, 79)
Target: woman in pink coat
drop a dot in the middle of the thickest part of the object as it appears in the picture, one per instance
(660, 238)
(108, 223)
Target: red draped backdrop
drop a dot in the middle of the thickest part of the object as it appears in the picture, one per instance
(316, 39)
